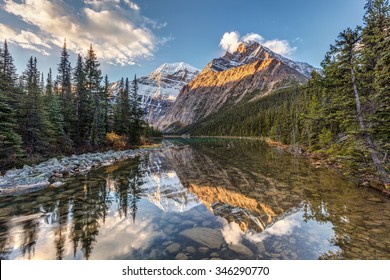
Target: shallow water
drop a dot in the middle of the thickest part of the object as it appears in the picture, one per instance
(206, 198)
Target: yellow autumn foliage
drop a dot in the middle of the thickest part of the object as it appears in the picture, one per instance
(118, 142)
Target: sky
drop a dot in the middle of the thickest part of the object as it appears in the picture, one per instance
(136, 36)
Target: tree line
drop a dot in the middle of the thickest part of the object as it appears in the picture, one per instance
(343, 112)
(70, 113)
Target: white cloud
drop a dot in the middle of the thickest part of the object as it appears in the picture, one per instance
(231, 232)
(101, 4)
(280, 46)
(253, 37)
(119, 35)
(230, 41)
(132, 5)
(25, 39)
(280, 228)
(284, 227)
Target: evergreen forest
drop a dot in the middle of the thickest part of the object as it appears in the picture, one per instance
(71, 113)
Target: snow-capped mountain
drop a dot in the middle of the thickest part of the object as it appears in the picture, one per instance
(160, 88)
(167, 80)
(226, 80)
(249, 52)
(163, 187)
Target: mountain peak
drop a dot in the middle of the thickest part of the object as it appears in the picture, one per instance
(241, 48)
(251, 51)
(172, 68)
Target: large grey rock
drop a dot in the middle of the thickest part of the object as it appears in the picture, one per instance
(241, 250)
(212, 238)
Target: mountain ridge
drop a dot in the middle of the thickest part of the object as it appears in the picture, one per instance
(228, 79)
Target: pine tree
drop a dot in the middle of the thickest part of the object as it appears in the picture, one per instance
(122, 115)
(84, 105)
(35, 125)
(9, 79)
(8, 69)
(136, 112)
(106, 105)
(65, 92)
(55, 116)
(10, 141)
(42, 83)
(93, 77)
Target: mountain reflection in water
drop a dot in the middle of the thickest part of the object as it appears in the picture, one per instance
(205, 198)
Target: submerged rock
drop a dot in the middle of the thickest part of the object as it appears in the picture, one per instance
(173, 248)
(191, 250)
(241, 250)
(203, 250)
(57, 184)
(181, 256)
(211, 238)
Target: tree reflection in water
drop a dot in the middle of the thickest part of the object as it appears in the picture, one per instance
(260, 189)
(74, 213)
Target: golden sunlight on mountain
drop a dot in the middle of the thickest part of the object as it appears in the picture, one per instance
(252, 211)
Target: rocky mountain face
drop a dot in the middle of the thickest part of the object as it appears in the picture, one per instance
(160, 88)
(230, 78)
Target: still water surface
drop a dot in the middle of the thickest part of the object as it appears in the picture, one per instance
(203, 199)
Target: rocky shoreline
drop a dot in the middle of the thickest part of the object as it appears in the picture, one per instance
(50, 172)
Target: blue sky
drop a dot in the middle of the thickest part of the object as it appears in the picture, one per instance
(136, 36)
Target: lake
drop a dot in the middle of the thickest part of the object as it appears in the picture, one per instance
(202, 199)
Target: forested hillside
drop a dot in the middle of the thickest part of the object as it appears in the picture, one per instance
(70, 113)
(344, 113)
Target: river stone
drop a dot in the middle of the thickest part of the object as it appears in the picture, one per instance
(214, 255)
(203, 250)
(241, 250)
(211, 238)
(191, 250)
(275, 256)
(181, 256)
(173, 248)
(57, 184)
